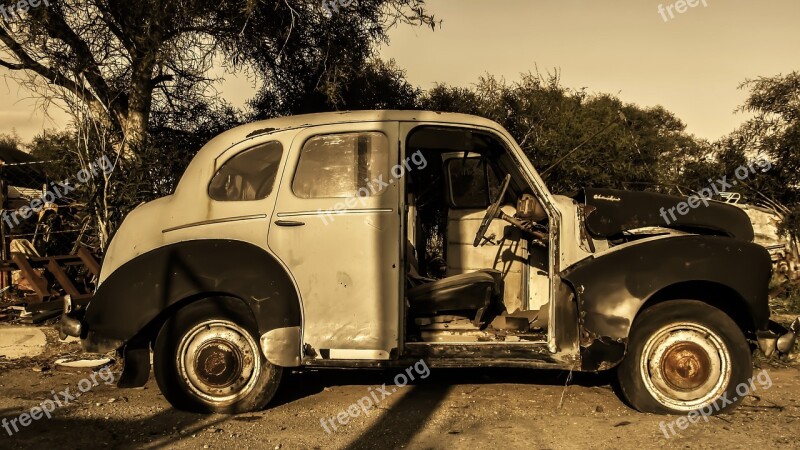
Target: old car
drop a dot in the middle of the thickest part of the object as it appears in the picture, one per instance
(374, 239)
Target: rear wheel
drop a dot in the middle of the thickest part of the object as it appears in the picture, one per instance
(684, 355)
(207, 359)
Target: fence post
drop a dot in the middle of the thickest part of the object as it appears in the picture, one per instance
(5, 277)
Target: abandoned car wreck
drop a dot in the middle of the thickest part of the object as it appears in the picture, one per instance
(374, 239)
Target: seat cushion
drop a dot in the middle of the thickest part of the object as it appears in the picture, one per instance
(467, 291)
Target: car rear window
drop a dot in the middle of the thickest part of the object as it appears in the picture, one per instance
(338, 165)
(249, 175)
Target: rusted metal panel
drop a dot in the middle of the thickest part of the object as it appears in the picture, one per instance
(615, 212)
(281, 346)
(345, 259)
(614, 286)
(534, 355)
(565, 313)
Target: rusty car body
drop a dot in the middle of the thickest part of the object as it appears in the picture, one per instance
(373, 239)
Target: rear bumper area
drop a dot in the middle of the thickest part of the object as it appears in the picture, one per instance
(93, 343)
(778, 339)
(72, 324)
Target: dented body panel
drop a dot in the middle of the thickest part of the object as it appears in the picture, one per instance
(613, 286)
(344, 255)
(146, 288)
(611, 212)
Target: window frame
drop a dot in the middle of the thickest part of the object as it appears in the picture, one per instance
(338, 133)
(274, 187)
(449, 182)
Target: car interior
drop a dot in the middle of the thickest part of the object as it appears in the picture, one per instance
(475, 235)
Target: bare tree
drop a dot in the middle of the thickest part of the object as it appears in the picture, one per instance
(124, 58)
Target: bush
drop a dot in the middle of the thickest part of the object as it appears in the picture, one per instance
(784, 295)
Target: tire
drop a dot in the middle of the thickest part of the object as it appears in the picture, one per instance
(683, 356)
(207, 359)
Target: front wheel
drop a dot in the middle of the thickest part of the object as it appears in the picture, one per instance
(683, 356)
(207, 359)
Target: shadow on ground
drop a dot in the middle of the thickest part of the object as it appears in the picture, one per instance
(70, 428)
(296, 386)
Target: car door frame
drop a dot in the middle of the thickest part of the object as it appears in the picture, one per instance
(562, 345)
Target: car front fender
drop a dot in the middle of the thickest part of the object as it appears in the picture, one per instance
(612, 287)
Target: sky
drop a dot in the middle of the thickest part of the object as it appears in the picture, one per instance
(692, 63)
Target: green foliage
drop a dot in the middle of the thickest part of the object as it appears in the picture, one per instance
(153, 172)
(790, 225)
(136, 75)
(53, 145)
(177, 136)
(624, 146)
(377, 84)
(774, 133)
(125, 59)
(8, 141)
(784, 295)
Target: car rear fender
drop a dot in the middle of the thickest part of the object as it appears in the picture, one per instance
(133, 302)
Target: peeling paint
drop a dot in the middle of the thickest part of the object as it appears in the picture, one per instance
(260, 131)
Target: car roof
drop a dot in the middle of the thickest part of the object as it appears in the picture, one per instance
(236, 135)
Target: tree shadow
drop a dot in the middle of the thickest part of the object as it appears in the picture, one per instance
(406, 418)
(297, 385)
(161, 430)
(397, 426)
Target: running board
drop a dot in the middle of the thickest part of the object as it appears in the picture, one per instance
(530, 355)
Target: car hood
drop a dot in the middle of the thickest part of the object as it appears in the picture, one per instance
(610, 212)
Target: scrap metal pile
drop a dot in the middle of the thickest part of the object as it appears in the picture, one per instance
(43, 251)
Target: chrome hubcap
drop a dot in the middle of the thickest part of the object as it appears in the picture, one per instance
(219, 361)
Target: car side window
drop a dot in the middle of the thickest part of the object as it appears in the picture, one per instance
(339, 165)
(249, 175)
(472, 183)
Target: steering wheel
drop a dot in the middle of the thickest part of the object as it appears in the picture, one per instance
(492, 213)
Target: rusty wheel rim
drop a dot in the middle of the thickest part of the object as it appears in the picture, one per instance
(219, 361)
(685, 366)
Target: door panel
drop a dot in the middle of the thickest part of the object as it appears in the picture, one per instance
(343, 251)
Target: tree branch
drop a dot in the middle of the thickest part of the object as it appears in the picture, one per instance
(111, 22)
(11, 66)
(28, 63)
(161, 79)
(58, 28)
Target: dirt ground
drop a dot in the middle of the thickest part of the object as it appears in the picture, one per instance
(450, 409)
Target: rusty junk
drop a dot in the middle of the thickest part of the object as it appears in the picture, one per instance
(778, 339)
(45, 241)
(41, 282)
